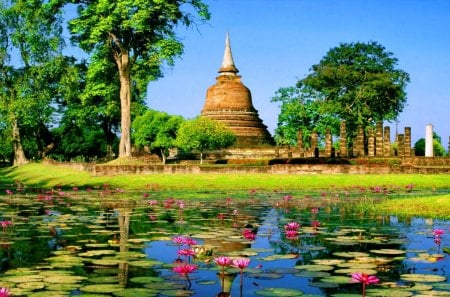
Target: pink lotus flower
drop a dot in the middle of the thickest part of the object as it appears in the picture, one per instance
(248, 234)
(291, 234)
(179, 240)
(185, 269)
(189, 241)
(186, 252)
(223, 261)
(365, 279)
(292, 226)
(4, 292)
(241, 263)
(438, 232)
(5, 224)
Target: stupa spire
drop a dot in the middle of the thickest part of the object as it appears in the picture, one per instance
(228, 67)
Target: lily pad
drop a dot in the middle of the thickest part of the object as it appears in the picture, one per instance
(101, 288)
(425, 278)
(136, 292)
(387, 292)
(388, 252)
(283, 292)
(177, 293)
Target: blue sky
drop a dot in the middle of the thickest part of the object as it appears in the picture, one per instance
(275, 43)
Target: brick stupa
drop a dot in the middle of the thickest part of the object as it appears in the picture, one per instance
(229, 101)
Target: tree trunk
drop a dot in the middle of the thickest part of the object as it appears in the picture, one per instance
(19, 155)
(163, 155)
(124, 66)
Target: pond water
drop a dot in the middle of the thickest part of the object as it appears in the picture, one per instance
(107, 242)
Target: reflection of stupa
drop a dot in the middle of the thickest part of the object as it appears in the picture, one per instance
(230, 102)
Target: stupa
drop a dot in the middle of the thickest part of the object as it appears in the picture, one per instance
(229, 101)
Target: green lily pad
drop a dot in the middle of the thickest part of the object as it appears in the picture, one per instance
(64, 279)
(314, 267)
(387, 292)
(336, 279)
(109, 279)
(146, 279)
(31, 285)
(177, 293)
(46, 294)
(388, 252)
(306, 273)
(279, 292)
(351, 254)
(101, 288)
(426, 278)
(265, 275)
(136, 292)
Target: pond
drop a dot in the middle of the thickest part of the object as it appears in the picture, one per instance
(108, 242)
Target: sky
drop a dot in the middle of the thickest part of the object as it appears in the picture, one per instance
(275, 43)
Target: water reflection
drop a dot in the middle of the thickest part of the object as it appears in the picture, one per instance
(124, 246)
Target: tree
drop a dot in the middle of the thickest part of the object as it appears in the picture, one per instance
(358, 83)
(31, 33)
(157, 130)
(299, 112)
(438, 149)
(201, 134)
(136, 36)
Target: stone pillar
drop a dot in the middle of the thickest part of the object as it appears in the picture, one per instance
(407, 142)
(400, 145)
(314, 140)
(343, 140)
(300, 143)
(379, 140)
(387, 142)
(429, 141)
(448, 149)
(371, 143)
(328, 143)
(359, 144)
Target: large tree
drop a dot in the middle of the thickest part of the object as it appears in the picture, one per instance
(139, 37)
(356, 82)
(202, 134)
(156, 130)
(31, 72)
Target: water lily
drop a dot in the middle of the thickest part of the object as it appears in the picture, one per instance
(184, 270)
(4, 292)
(5, 224)
(365, 279)
(438, 237)
(241, 263)
(223, 262)
(292, 226)
(248, 234)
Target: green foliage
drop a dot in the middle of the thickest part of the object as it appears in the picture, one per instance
(157, 130)
(36, 78)
(201, 134)
(355, 82)
(300, 112)
(137, 37)
(438, 149)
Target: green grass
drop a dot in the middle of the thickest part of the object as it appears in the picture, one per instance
(431, 206)
(49, 176)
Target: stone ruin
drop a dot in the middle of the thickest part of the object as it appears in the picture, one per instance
(378, 143)
(229, 101)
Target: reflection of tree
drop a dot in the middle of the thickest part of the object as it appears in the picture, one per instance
(123, 218)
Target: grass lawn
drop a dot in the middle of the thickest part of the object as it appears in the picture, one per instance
(39, 175)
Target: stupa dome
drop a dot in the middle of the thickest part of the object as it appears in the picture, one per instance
(230, 102)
